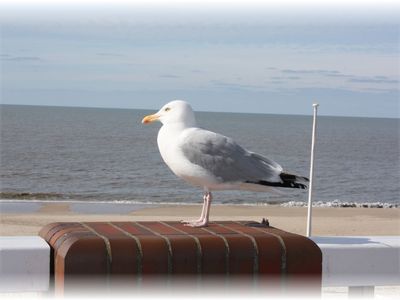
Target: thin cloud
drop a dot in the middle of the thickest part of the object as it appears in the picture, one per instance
(235, 86)
(20, 58)
(378, 79)
(321, 72)
(280, 78)
(381, 77)
(373, 80)
(109, 54)
(172, 76)
(338, 75)
(380, 90)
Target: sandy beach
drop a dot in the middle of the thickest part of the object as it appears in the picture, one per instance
(326, 221)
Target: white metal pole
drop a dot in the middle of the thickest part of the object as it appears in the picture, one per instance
(310, 188)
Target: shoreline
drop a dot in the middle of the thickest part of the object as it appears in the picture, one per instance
(316, 203)
(333, 221)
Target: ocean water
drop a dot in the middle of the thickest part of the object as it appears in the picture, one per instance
(107, 155)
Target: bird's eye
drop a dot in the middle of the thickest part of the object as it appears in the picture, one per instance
(167, 109)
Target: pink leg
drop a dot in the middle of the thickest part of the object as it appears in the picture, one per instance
(203, 222)
(203, 211)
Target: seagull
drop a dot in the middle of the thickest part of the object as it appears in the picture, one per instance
(213, 161)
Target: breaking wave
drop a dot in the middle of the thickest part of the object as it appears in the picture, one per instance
(26, 197)
(338, 203)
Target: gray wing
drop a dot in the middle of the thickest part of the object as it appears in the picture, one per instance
(227, 160)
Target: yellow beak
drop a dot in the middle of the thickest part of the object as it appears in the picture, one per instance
(150, 118)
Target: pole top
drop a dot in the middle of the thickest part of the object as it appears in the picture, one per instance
(315, 104)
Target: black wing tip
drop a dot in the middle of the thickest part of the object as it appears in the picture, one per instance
(290, 177)
(288, 181)
(285, 184)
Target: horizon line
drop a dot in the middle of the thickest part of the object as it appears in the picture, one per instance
(208, 111)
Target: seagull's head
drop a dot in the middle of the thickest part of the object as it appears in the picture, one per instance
(176, 111)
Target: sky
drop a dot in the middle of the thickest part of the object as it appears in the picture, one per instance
(219, 56)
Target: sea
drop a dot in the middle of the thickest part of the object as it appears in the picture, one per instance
(99, 155)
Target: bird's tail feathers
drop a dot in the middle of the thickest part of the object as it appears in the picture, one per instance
(293, 181)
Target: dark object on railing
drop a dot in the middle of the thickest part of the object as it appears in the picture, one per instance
(264, 223)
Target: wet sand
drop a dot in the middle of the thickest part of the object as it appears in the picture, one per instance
(326, 221)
